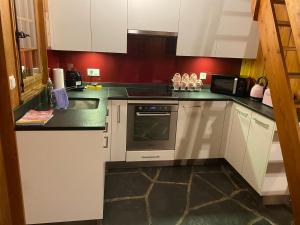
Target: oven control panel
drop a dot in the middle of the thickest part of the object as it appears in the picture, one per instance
(156, 108)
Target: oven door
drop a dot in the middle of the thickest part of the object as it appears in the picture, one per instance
(151, 130)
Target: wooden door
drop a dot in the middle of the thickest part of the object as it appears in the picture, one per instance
(10, 189)
(5, 216)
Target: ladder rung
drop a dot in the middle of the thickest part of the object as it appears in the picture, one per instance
(283, 23)
(286, 48)
(294, 75)
(282, 2)
(297, 105)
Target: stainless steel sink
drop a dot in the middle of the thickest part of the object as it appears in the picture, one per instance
(83, 103)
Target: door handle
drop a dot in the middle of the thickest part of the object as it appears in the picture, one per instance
(106, 127)
(264, 125)
(153, 114)
(242, 113)
(106, 142)
(151, 157)
(119, 114)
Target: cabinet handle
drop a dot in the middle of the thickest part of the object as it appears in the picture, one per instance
(106, 142)
(119, 114)
(190, 107)
(151, 157)
(107, 112)
(242, 113)
(106, 127)
(264, 125)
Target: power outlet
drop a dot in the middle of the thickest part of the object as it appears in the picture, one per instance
(203, 76)
(93, 72)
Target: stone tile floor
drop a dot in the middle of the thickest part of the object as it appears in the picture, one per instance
(188, 195)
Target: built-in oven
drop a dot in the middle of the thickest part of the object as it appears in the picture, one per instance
(151, 127)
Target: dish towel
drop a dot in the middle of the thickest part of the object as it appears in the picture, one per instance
(61, 98)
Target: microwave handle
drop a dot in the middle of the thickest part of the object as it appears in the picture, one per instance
(235, 83)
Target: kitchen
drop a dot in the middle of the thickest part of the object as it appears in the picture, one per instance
(158, 126)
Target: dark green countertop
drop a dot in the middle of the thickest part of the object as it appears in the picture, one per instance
(94, 119)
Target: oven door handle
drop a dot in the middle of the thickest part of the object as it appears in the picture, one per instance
(153, 114)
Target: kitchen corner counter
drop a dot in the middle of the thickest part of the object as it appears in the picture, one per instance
(94, 119)
(74, 119)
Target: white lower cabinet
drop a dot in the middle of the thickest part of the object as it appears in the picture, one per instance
(258, 149)
(119, 130)
(238, 136)
(199, 129)
(253, 150)
(62, 175)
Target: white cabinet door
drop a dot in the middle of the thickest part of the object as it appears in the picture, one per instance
(153, 15)
(217, 28)
(62, 175)
(199, 129)
(119, 130)
(70, 24)
(109, 25)
(238, 137)
(197, 27)
(258, 149)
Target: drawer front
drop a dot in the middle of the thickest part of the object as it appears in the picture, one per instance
(132, 156)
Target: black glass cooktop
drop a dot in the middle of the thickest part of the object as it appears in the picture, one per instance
(146, 92)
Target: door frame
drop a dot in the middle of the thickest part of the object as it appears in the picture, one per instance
(11, 204)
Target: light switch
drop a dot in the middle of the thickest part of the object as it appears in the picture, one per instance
(12, 82)
(203, 76)
(93, 72)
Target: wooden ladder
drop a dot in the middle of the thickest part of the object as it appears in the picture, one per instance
(271, 29)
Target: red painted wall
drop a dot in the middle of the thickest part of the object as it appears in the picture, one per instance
(147, 61)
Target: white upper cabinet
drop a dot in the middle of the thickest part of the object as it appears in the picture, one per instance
(109, 25)
(70, 24)
(153, 15)
(217, 28)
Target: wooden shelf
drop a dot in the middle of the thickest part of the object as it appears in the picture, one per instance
(283, 23)
(28, 49)
(288, 48)
(294, 75)
(280, 2)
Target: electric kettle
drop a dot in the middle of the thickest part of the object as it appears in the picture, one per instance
(257, 91)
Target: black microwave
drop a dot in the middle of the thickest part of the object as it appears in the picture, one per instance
(229, 85)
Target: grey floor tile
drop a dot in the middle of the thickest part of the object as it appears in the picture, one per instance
(201, 192)
(125, 185)
(249, 199)
(222, 213)
(167, 203)
(221, 181)
(179, 174)
(207, 168)
(150, 171)
(279, 214)
(129, 212)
